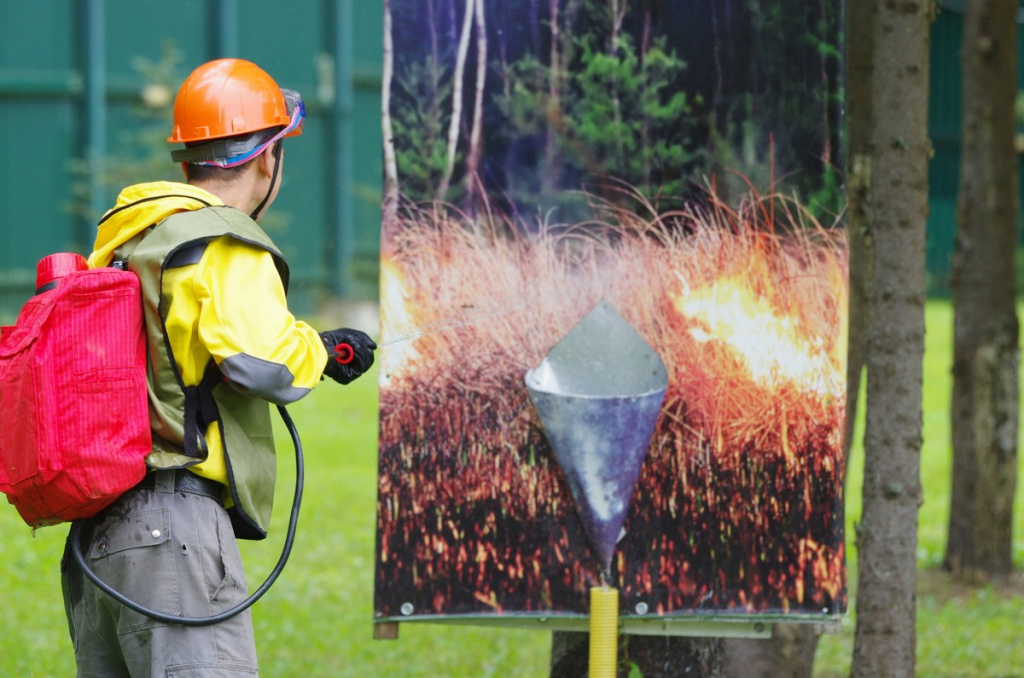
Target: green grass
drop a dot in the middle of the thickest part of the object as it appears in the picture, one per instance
(317, 619)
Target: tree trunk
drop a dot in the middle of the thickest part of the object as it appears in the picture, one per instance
(434, 113)
(474, 187)
(456, 121)
(985, 351)
(897, 204)
(668, 657)
(569, 654)
(552, 170)
(452, 22)
(789, 653)
(506, 80)
(534, 28)
(645, 129)
(391, 188)
(826, 150)
(432, 27)
(654, 656)
(716, 51)
(617, 10)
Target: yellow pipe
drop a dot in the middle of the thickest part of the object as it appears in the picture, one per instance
(604, 631)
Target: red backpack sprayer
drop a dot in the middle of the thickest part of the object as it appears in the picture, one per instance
(77, 430)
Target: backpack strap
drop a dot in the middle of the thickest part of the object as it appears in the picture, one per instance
(124, 251)
(200, 406)
(201, 411)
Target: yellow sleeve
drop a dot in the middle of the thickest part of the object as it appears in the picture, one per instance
(245, 324)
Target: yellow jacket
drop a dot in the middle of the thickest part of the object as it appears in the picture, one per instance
(221, 300)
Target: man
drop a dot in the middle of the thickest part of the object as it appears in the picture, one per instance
(222, 346)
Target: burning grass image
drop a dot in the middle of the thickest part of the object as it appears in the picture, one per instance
(738, 509)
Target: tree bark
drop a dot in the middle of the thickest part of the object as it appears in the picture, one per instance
(789, 653)
(474, 187)
(654, 656)
(569, 654)
(456, 121)
(617, 11)
(645, 129)
(826, 150)
(452, 22)
(669, 657)
(552, 171)
(897, 204)
(985, 337)
(391, 187)
(432, 27)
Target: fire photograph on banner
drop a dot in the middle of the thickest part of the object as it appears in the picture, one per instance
(614, 309)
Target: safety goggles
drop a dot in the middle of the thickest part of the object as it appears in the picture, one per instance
(233, 152)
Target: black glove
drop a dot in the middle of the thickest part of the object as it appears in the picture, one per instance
(349, 354)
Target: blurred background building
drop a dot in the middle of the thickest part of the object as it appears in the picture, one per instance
(86, 89)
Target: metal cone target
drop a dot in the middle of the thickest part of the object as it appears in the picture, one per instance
(598, 393)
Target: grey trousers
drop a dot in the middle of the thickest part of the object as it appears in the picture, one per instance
(174, 552)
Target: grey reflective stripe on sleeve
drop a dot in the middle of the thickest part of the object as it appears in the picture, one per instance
(261, 379)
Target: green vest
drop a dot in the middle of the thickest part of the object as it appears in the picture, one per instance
(244, 422)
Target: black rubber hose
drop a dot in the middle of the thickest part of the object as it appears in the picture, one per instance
(289, 541)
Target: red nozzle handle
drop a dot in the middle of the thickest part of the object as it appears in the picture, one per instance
(344, 353)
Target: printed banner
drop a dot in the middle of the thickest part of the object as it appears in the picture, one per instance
(614, 306)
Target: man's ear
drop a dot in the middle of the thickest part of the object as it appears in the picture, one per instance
(265, 161)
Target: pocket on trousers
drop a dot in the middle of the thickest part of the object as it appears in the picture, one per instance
(232, 588)
(141, 529)
(219, 670)
(133, 554)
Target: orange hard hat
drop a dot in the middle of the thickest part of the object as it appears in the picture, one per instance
(230, 97)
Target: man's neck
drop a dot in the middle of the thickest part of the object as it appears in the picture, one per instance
(239, 194)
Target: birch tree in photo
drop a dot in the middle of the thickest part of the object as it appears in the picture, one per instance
(645, 132)
(391, 187)
(474, 187)
(451, 23)
(456, 120)
(617, 10)
(984, 281)
(552, 152)
(826, 151)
